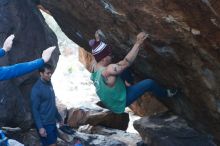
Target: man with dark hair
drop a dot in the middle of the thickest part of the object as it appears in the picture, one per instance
(9, 72)
(110, 87)
(44, 108)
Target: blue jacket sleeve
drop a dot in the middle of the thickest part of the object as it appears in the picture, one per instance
(2, 52)
(35, 103)
(8, 72)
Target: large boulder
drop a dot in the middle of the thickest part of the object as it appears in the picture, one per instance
(131, 139)
(31, 138)
(80, 116)
(32, 36)
(170, 130)
(183, 51)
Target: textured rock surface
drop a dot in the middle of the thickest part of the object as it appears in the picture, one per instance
(147, 105)
(31, 138)
(131, 139)
(169, 130)
(183, 52)
(78, 117)
(32, 36)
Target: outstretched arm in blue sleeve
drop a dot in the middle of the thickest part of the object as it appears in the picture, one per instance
(8, 72)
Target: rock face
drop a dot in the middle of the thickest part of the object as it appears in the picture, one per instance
(32, 36)
(168, 130)
(31, 138)
(131, 139)
(183, 51)
(78, 117)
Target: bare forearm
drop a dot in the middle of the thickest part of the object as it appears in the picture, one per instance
(130, 57)
(126, 62)
(115, 69)
(134, 51)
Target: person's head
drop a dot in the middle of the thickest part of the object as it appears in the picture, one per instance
(46, 72)
(101, 52)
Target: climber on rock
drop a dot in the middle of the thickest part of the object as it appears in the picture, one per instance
(110, 87)
(126, 75)
(9, 72)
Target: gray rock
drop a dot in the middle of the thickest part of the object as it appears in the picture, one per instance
(170, 130)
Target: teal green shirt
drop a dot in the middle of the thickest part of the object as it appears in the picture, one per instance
(114, 98)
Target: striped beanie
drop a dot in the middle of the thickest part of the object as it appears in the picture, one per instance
(99, 49)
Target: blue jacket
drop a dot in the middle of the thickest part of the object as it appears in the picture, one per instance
(43, 103)
(8, 72)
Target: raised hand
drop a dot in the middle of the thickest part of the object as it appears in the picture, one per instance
(141, 37)
(46, 55)
(8, 43)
